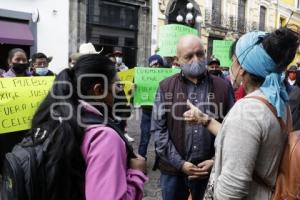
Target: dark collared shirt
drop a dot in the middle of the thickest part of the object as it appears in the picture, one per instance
(198, 141)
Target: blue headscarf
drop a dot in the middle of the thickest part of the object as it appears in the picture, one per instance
(254, 59)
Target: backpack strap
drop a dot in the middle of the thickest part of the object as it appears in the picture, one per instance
(89, 118)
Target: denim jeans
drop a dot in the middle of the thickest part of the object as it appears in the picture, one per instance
(179, 187)
(145, 132)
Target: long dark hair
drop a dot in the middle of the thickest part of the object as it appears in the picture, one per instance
(65, 178)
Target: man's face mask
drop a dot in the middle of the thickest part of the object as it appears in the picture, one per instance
(20, 68)
(194, 69)
(42, 71)
(119, 60)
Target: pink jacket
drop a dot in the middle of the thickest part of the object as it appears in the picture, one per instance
(107, 175)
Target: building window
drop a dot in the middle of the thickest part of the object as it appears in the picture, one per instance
(216, 12)
(242, 16)
(113, 14)
(262, 18)
(298, 4)
(113, 25)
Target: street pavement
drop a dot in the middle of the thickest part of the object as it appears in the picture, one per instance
(152, 190)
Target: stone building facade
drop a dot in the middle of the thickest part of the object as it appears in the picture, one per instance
(113, 25)
(225, 19)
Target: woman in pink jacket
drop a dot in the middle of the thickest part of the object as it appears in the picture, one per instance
(90, 160)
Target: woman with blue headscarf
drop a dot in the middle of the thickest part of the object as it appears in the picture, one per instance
(250, 141)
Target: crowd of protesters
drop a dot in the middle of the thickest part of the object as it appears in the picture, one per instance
(205, 118)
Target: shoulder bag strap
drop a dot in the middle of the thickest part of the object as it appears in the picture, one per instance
(256, 177)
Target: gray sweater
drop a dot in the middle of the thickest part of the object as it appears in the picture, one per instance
(250, 140)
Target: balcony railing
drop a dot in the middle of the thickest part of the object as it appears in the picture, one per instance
(217, 19)
(230, 22)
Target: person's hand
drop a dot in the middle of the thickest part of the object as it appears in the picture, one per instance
(192, 170)
(138, 163)
(204, 167)
(194, 115)
(188, 167)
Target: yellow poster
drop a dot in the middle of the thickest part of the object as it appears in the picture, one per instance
(19, 99)
(126, 78)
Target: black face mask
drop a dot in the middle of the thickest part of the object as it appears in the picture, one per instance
(20, 68)
(215, 72)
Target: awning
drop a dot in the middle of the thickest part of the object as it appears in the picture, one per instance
(15, 33)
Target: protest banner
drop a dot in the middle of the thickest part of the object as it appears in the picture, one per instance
(169, 36)
(147, 81)
(126, 78)
(19, 99)
(221, 50)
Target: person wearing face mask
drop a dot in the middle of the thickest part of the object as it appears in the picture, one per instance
(294, 102)
(214, 67)
(120, 66)
(117, 58)
(155, 61)
(239, 90)
(251, 140)
(40, 64)
(17, 66)
(88, 160)
(290, 81)
(17, 63)
(184, 149)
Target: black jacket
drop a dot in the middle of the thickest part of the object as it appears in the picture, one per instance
(294, 103)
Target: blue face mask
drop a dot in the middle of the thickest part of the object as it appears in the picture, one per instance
(195, 69)
(42, 71)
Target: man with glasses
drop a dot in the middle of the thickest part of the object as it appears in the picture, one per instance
(39, 63)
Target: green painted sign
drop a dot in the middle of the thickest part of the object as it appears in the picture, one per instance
(169, 36)
(221, 49)
(147, 81)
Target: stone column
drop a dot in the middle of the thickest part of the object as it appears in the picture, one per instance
(144, 36)
(77, 25)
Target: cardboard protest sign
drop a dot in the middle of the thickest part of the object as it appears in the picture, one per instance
(169, 36)
(19, 99)
(126, 78)
(147, 81)
(221, 50)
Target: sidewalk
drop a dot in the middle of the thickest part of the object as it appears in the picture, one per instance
(152, 189)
